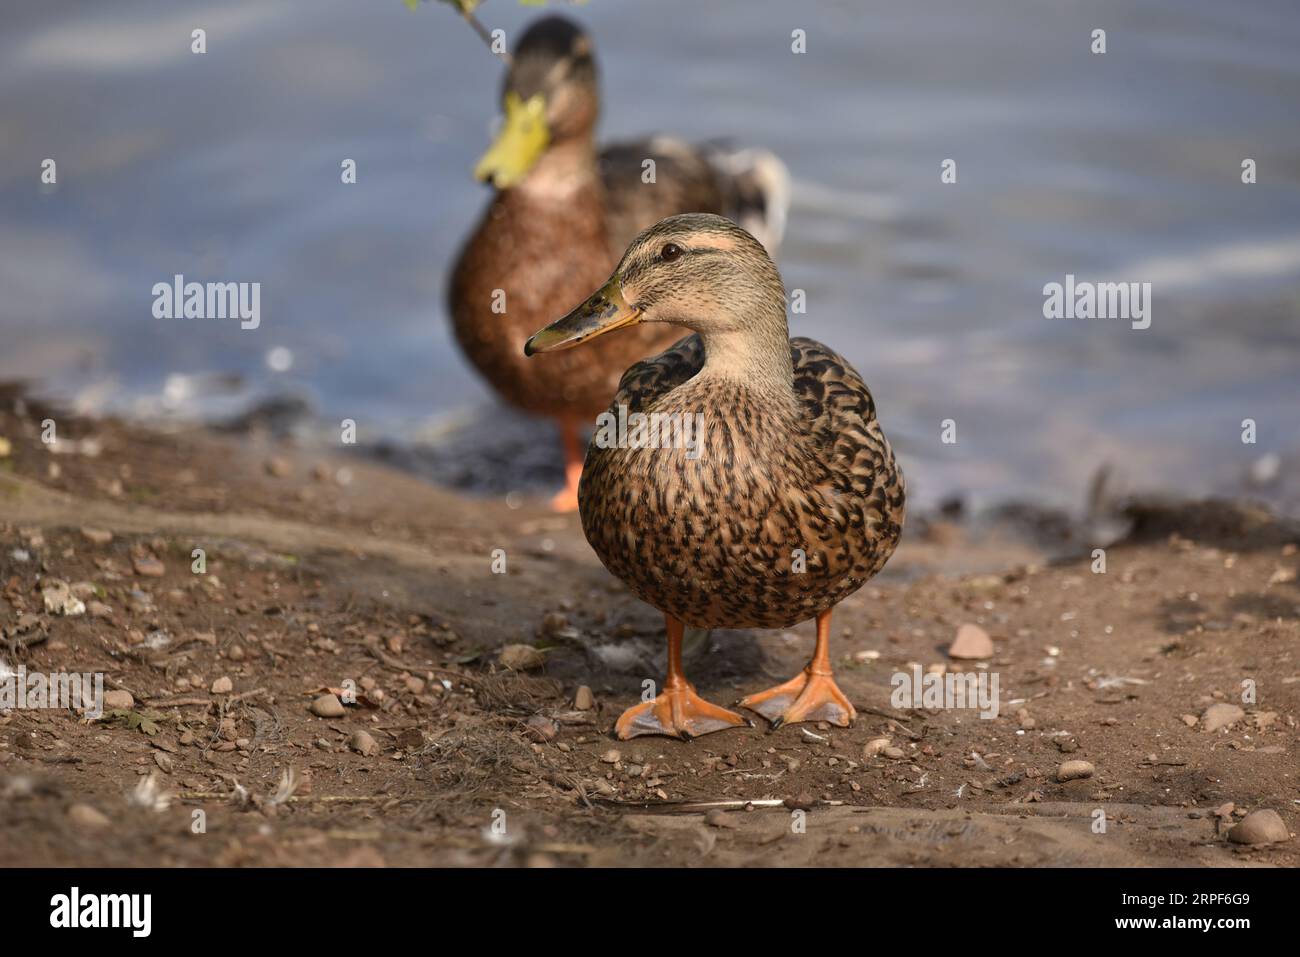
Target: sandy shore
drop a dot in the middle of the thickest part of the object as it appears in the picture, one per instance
(327, 571)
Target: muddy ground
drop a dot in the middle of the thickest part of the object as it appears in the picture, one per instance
(326, 570)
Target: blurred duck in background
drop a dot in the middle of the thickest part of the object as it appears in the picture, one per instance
(562, 213)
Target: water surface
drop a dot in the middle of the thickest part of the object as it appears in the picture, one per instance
(1116, 167)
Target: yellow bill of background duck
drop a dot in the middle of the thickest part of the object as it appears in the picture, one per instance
(604, 311)
(521, 142)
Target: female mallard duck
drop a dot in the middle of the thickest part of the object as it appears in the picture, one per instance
(561, 215)
(786, 501)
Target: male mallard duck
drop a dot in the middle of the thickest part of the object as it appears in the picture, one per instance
(561, 215)
(785, 503)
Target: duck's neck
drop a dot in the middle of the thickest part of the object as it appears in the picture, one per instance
(567, 172)
(754, 353)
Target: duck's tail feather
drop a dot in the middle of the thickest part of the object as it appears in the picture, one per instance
(757, 191)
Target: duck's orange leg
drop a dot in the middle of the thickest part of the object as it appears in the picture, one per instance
(812, 695)
(678, 711)
(566, 500)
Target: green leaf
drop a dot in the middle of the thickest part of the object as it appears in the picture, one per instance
(463, 7)
(134, 721)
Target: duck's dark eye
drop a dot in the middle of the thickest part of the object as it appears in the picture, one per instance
(670, 252)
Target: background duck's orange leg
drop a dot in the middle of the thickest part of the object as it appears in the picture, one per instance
(811, 695)
(678, 711)
(566, 500)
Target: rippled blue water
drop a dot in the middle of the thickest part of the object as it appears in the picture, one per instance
(1116, 167)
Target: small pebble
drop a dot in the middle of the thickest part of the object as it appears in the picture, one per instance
(363, 743)
(97, 536)
(803, 801)
(972, 642)
(328, 706)
(583, 699)
(223, 685)
(874, 747)
(719, 818)
(278, 467)
(520, 657)
(1073, 770)
(1220, 715)
(97, 609)
(542, 727)
(118, 700)
(83, 815)
(149, 567)
(1264, 826)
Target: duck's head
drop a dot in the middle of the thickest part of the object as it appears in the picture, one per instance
(697, 270)
(549, 96)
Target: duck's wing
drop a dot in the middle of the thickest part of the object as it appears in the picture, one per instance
(861, 476)
(749, 186)
(650, 378)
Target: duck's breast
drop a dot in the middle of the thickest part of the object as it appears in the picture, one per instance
(720, 512)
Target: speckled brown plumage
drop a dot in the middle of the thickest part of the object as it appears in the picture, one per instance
(739, 479)
(712, 541)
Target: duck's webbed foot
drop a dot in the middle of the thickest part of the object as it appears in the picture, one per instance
(808, 696)
(811, 695)
(677, 712)
(566, 499)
